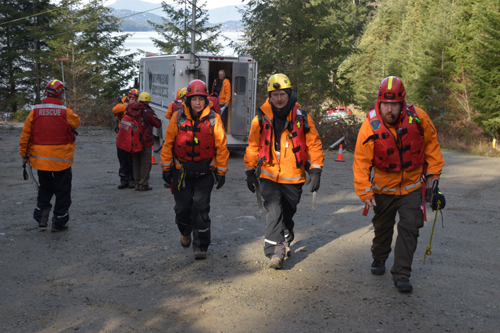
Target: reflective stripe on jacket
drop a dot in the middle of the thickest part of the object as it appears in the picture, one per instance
(48, 157)
(393, 183)
(282, 167)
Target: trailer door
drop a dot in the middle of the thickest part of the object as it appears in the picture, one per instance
(241, 100)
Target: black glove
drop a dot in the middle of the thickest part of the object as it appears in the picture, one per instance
(252, 180)
(437, 196)
(221, 180)
(314, 179)
(167, 177)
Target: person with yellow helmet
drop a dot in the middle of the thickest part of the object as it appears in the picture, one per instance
(125, 159)
(48, 143)
(177, 104)
(146, 118)
(283, 145)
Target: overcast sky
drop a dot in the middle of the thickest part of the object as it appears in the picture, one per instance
(210, 3)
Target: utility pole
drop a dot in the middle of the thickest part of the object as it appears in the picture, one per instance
(193, 27)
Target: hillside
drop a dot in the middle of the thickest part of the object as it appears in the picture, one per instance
(228, 16)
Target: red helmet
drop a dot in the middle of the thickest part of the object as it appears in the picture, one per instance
(391, 90)
(55, 87)
(197, 88)
(133, 93)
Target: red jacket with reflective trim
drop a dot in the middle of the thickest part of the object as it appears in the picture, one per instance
(53, 157)
(49, 125)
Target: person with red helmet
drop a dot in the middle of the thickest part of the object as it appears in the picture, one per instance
(194, 157)
(48, 144)
(126, 170)
(398, 143)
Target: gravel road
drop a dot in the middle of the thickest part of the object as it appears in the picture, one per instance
(120, 267)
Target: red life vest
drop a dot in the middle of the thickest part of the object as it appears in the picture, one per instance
(298, 128)
(50, 126)
(388, 156)
(178, 105)
(195, 142)
(129, 136)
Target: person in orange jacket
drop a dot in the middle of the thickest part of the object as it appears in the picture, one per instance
(283, 145)
(126, 171)
(176, 105)
(222, 87)
(397, 143)
(48, 142)
(194, 157)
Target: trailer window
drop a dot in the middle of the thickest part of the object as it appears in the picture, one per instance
(240, 85)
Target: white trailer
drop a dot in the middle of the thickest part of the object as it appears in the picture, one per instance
(161, 76)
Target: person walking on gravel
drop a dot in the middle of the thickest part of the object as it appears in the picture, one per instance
(48, 141)
(194, 157)
(283, 145)
(397, 144)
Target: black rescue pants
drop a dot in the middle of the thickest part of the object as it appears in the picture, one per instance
(126, 160)
(280, 201)
(56, 183)
(411, 219)
(192, 205)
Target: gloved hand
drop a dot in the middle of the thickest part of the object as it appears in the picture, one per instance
(314, 179)
(252, 180)
(437, 196)
(221, 180)
(167, 177)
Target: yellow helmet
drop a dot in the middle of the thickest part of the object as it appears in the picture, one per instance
(144, 97)
(183, 92)
(278, 82)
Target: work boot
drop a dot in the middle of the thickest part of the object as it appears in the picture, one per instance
(186, 241)
(145, 188)
(42, 224)
(200, 255)
(403, 285)
(276, 263)
(56, 228)
(131, 184)
(123, 185)
(378, 267)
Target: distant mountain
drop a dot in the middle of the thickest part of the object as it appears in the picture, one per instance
(216, 15)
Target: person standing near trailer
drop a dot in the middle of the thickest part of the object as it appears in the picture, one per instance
(396, 153)
(194, 157)
(146, 119)
(48, 141)
(282, 146)
(176, 105)
(126, 160)
(222, 87)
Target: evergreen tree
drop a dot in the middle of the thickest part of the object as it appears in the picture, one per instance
(486, 72)
(21, 51)
(176, 29)
(97, 70)
(306, 40)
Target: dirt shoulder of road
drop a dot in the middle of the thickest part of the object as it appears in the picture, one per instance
(120, 267)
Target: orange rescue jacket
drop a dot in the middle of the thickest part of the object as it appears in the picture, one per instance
(282, 167)
(225, 91)
(49, 157)
(393, 183)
